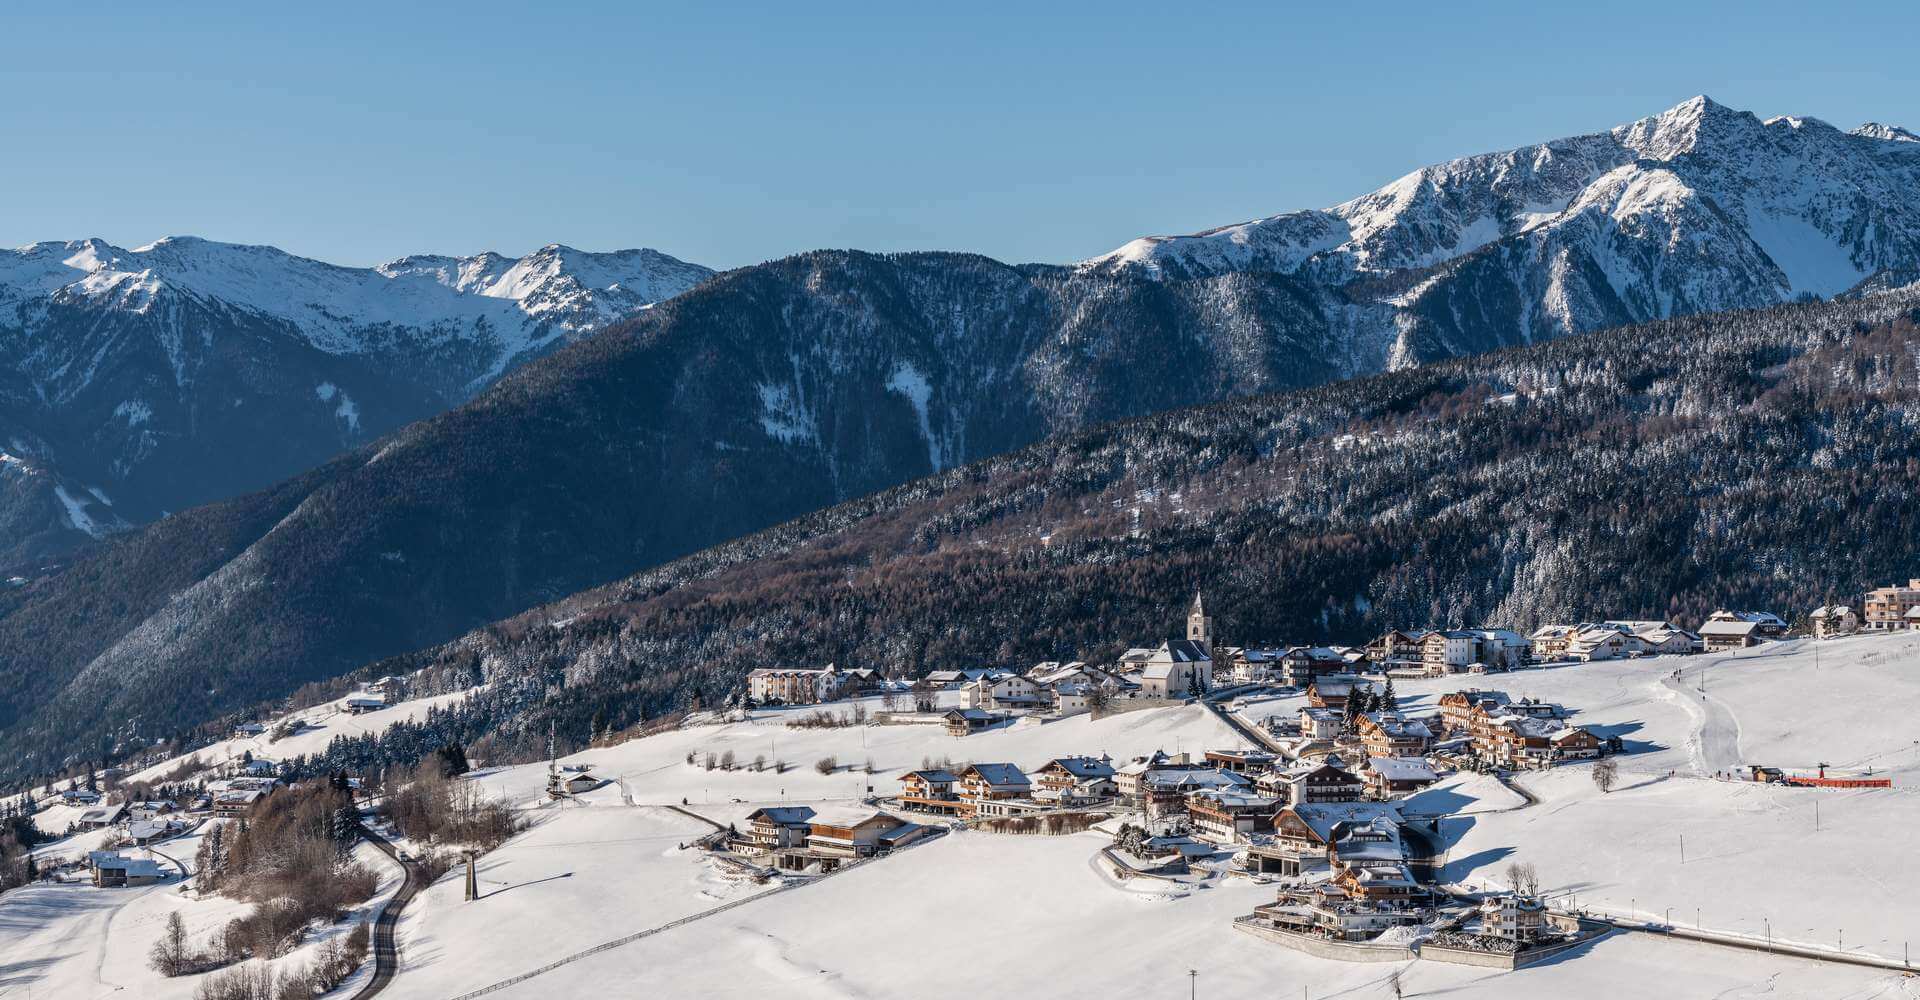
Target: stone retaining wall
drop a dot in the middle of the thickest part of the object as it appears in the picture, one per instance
(1320, 947)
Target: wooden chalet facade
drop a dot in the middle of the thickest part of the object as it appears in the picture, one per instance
(934, 790)
(1331, 691)
(1229, 817)
(967, 721)
(777, 827)
(1074, 780)
(1390, 734)
(992, 790)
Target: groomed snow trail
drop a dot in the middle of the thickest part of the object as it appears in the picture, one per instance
(1714, 745)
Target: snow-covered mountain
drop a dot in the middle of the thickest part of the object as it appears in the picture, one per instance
(1699, 208)
(141, 381)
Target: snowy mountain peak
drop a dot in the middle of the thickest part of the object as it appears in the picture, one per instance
(1697, 208)
(500, 305)
(1693, 124)
(1891, 133)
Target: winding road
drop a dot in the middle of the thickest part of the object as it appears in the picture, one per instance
(1250, 732)
(386, 954)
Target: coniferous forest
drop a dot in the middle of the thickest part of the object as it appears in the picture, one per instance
(1762, 460)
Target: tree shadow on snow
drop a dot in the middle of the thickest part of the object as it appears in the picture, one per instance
(1457, 870)
(28, 972)
(516, 885)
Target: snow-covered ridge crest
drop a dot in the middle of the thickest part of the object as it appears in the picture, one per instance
(1700, 206)
(503, 304)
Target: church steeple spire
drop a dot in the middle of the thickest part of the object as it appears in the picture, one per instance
(1199, 626)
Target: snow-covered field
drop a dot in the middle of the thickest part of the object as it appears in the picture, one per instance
(71, 941)
(973, 914)
(1036, 914)
(654, 770)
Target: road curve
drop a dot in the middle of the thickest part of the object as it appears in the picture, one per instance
(386, 955)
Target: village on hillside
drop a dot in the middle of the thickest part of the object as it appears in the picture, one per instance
(1326, 803)
(1336, 791)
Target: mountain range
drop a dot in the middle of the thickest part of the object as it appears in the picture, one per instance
(1697, 209)
(769, 392)
(139, 382)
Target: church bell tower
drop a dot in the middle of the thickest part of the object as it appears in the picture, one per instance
(1199, 626)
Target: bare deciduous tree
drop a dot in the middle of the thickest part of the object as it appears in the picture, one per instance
(1523, 878)
(1605, 773)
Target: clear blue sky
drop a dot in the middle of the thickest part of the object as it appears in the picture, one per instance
(1030, 131)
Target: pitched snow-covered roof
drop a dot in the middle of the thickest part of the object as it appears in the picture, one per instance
(1326, 819)
(1729, 628)
(1179, 651)
(1227, 799)
(134, 867)
(147, 829)
(1191, 780)
(782, 815)
(1402, 769)
(1082, 767)
(850, 817)
(1755, 617)
(998, 774)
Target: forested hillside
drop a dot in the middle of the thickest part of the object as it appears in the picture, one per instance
(1756, 460)
(767, 393)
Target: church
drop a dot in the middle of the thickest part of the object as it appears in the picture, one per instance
(1177, 667)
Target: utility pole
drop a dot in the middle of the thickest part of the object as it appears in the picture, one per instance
(553, 766)
(473, 881)
(1683, 848)
(1193, 978)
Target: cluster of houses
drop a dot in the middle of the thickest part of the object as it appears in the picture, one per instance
(1194, 665)
(1893, 608)
(146, 821)
(804, 686)
(821, 839)
(1323, 806)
